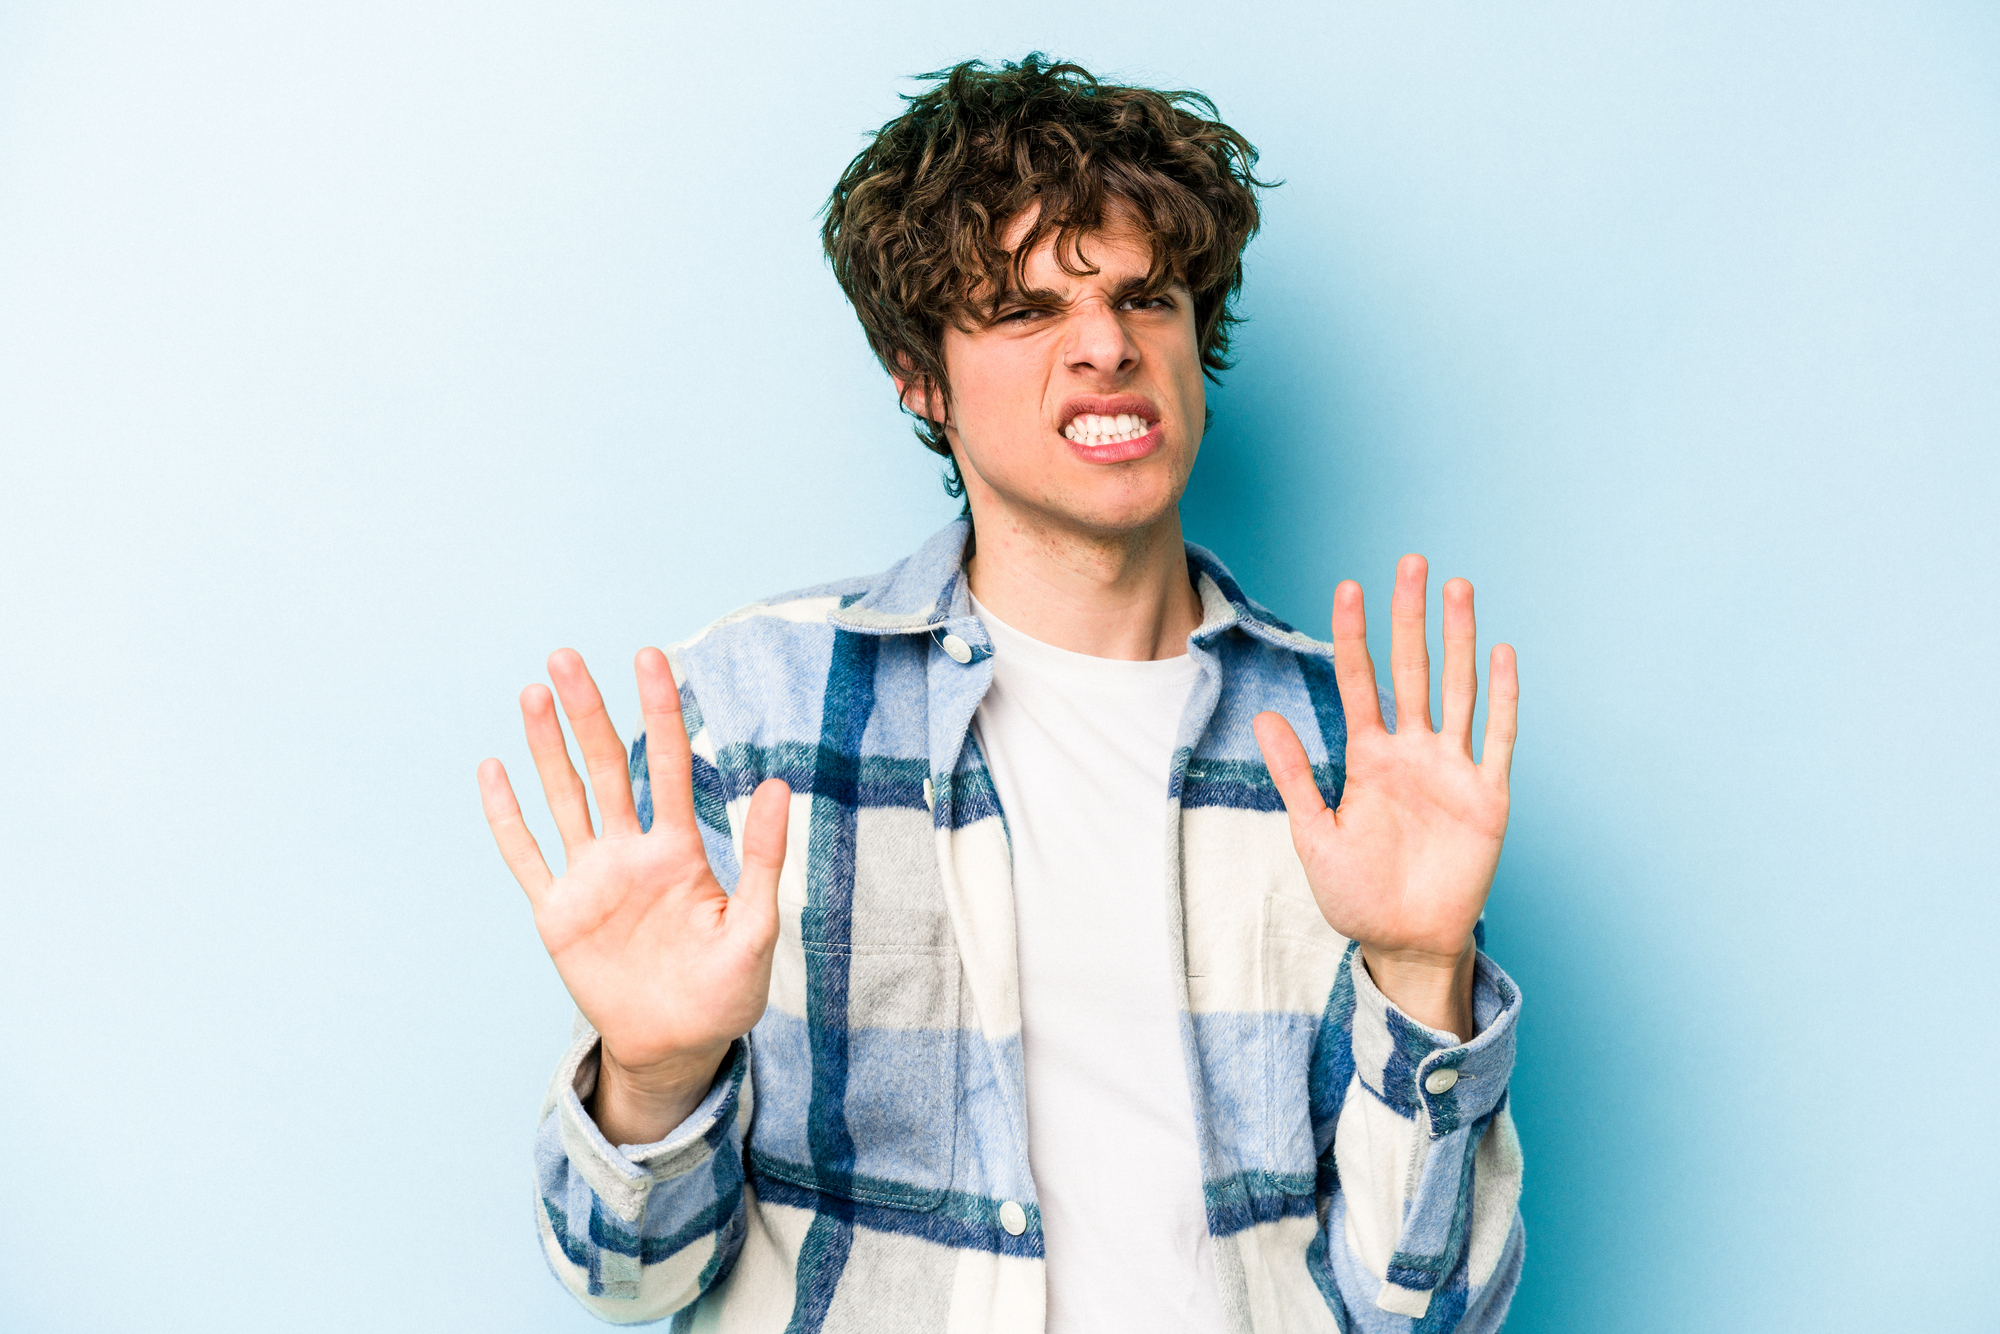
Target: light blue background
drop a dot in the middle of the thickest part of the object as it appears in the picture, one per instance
(353, 357)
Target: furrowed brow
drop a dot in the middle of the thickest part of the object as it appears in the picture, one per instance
(1141, 286)
(1032, 296)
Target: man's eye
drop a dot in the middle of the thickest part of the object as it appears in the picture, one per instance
(1021, 316)
(1150, 302)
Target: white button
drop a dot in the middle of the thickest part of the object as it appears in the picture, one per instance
(956, 649)
(1014, 1218)
(930, 793)
(1441, 1079)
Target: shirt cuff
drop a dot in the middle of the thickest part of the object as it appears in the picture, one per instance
(1411, 1066)
(623, 1175)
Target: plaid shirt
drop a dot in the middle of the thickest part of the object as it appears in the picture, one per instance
(861, 1163)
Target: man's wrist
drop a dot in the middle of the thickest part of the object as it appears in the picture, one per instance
(643, 1105)
(1434, 990)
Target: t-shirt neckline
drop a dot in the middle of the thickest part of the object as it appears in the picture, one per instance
(1023, 646)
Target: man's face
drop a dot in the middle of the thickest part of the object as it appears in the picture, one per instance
(1079, 403)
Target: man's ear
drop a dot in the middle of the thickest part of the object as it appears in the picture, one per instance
(917, 391)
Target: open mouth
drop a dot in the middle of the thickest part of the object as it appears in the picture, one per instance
(1091, 429)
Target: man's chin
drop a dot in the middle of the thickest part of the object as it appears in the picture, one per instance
(1091, 502)
(1114, 516)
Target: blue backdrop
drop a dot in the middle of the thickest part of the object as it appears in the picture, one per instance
(352, 358)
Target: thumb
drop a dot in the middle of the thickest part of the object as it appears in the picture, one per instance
(764, 830)
(1290, 769)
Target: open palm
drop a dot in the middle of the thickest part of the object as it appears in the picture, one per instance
(666, 966)
(1404, 865)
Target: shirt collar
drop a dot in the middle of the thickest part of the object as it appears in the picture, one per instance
(919, 592)
(926, 590)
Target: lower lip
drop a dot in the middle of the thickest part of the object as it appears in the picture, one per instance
(1124, 451)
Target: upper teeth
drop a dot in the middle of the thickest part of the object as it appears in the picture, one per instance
(1088, 428)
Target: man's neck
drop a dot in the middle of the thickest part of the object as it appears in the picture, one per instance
(1123, 595)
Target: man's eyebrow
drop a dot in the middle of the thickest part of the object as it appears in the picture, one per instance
(1145, 284)
(1137, 285)
(1028, 296)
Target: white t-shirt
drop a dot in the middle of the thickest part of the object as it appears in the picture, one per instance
(1080, 749)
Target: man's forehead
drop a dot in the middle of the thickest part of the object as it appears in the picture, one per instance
(1121, 250)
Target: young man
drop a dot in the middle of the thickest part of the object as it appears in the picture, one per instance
(1039, 934)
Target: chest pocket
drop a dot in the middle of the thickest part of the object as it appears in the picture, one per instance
(856, 1062)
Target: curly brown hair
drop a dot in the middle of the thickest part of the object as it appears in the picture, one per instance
(914, 228)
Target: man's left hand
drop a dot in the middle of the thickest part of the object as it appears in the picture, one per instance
(1404, 865)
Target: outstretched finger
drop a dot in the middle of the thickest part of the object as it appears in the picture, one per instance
(1503, 706)
(1352, 667)
(603, 752)
(1461, 673)
(1290, 769)
(559, 781)
(517, 845)
(1409, 646)
(669, 763)
(764, 830)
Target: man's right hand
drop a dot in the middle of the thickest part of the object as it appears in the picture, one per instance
(667, 967)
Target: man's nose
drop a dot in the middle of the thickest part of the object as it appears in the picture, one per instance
(1098, 342)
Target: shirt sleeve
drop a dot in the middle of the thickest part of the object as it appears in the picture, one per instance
(1420, 1168)
(640, 1231)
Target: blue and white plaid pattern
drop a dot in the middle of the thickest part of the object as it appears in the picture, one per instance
(848, 1171)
